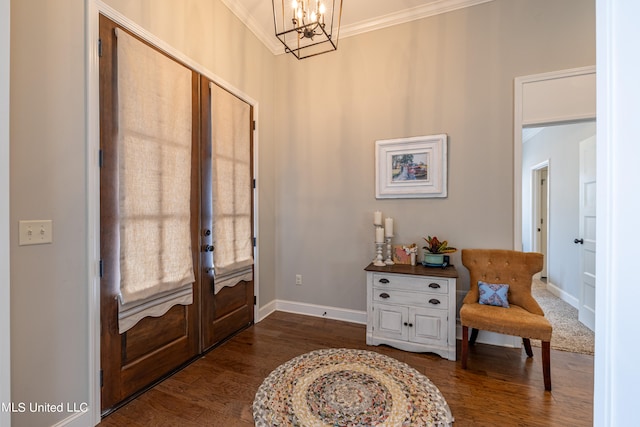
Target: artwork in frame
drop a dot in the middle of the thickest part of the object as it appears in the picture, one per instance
(411, 167)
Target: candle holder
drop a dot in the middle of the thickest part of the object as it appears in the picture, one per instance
(378, 260)
(388, 261)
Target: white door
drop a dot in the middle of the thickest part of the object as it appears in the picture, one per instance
(540, 203)
(587, 238)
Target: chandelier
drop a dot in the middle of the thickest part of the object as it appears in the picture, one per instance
(307, 27)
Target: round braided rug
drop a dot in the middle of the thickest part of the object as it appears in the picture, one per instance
(344, 387)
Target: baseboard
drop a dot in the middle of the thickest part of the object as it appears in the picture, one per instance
(492, 338)
(78, 419)
(334, 313)
(360, 317)
(564, 296)
(266, 310)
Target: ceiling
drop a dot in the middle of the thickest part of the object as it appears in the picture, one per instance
(358, 16)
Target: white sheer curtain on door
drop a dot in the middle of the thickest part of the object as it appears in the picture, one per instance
(154, 156)
(231, 188)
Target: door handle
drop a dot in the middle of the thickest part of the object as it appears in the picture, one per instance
(576, 241)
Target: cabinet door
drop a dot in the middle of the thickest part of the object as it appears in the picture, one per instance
(389, 320)
(429, 326)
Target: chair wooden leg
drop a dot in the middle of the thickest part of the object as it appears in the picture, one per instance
(474, 336)
(465, 346)
(546, 364)
(527, 346)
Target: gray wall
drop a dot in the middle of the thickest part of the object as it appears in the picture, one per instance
(452, 73)
(49, 325)
(560, 145)
(5, 366)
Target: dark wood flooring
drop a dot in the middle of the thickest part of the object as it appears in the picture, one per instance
(501, 386)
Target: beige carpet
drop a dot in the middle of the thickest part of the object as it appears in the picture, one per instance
(568, 333)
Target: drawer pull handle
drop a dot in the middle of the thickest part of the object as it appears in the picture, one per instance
(434, 286)
(384, 281)
(384, 295)
(434, 301)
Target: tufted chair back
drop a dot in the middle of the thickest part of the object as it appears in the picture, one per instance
(503, 267)
(523, 317)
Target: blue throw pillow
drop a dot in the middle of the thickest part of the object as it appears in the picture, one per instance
(493, 294)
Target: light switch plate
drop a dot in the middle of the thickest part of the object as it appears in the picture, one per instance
(36, 232)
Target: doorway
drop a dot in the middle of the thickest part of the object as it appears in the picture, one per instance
(161, 215)
(540, 216)
(546, 103)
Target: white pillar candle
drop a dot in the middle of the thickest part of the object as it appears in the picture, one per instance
(388, 227)
(377, 218)
(379, 235)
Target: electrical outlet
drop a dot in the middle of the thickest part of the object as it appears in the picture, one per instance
(299, 279)
(35, 232)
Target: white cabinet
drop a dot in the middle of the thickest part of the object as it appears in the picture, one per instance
(412, 308)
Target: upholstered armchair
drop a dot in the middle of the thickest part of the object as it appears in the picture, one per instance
(523, 317)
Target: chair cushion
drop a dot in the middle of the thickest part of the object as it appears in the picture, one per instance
(493, 294)
(511, 321)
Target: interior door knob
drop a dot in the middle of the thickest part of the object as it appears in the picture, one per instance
(581, 241)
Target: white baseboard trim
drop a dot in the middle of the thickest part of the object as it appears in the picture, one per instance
(360, 317)
(492, 338)
(334, 313)
(563, 295)
(266, 310)
(78, 419)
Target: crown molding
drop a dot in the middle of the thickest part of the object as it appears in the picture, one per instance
(407, 15)
(269, 39)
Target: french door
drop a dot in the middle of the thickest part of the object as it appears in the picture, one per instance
(155, 346)
(158, 345)
(227, 121)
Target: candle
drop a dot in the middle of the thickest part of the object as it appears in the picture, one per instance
(388, 227)
(377, 218)
(379, 235)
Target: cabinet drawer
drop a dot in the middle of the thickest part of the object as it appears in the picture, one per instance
(408, 298)
(412, 283)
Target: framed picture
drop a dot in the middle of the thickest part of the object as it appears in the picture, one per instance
(411, 167)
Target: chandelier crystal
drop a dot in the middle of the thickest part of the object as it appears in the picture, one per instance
(307, 27)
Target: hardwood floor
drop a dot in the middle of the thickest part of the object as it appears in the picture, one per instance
(501, 387)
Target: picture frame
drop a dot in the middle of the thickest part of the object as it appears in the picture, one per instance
(413, 167)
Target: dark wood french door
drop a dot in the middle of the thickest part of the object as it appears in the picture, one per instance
(232, 308)
(155, 346)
